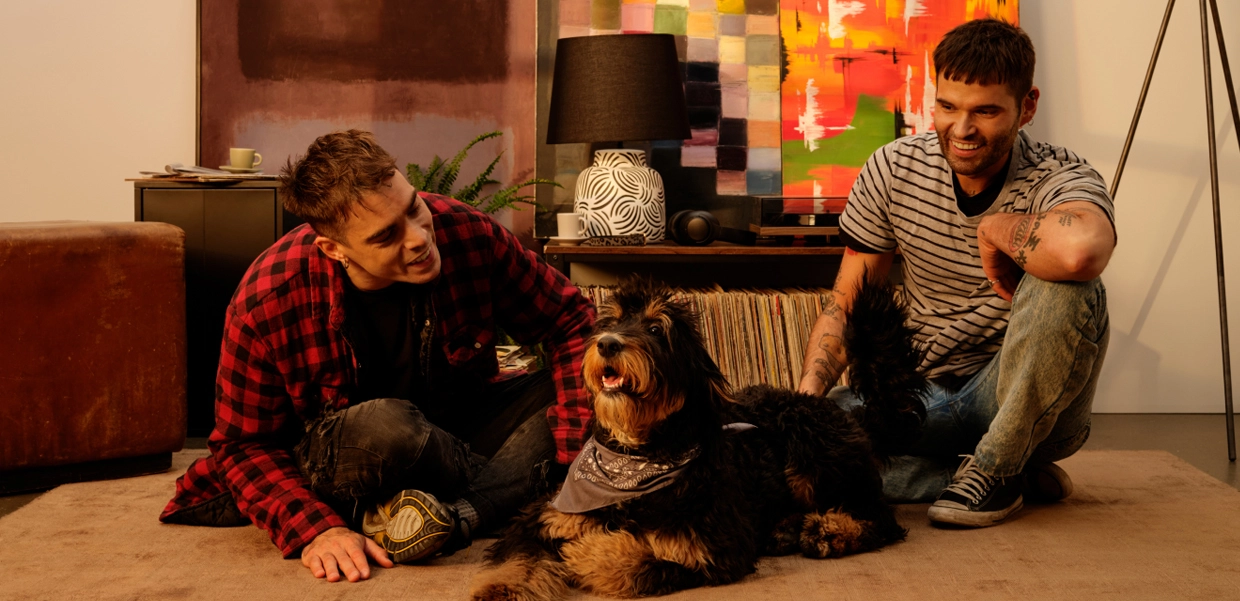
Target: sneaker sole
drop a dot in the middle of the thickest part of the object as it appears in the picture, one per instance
(973, 519)
(406, 534)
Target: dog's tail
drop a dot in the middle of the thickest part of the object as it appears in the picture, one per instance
(884, 368)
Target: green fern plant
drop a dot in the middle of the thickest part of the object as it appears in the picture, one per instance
(440, 176)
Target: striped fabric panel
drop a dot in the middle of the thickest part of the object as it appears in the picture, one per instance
(904, 199)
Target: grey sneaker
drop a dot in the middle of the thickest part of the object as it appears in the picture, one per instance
(1046, 483)
(411, 525)
(977, 499)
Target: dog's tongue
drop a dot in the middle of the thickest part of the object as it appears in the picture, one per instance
(612, 381)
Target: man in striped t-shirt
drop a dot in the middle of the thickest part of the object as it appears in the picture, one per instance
(1003, 239)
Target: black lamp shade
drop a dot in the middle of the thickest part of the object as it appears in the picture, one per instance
(616, 88)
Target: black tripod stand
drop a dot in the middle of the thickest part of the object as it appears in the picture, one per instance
(1218, 232)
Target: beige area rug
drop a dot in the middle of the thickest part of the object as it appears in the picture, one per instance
(1142, 525)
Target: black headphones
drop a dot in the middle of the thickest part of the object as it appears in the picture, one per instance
(699, 228)
(693, 228)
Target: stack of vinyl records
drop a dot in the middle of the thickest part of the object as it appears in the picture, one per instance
(756, 336)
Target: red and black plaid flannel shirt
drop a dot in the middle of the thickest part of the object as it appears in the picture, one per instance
(284, 358)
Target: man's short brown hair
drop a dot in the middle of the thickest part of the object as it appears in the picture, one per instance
(338, 169)
(987, 51)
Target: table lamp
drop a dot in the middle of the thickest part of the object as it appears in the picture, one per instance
(615, 89)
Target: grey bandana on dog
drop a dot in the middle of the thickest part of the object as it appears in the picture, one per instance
(599, 476)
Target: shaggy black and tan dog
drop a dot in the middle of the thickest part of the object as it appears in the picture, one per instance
(684, 484)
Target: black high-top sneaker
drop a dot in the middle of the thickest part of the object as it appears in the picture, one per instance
(977, 499)
(412, 525)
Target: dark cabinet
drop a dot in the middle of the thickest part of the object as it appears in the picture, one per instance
(226, 227)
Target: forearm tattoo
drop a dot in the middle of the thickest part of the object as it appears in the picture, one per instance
(830, 308)
(1025, 238)
(829, 367)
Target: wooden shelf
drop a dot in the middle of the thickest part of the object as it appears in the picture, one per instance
(794, 230)
(184, 183)
(670, 249)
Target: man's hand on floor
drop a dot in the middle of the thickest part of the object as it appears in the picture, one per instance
(342, 551)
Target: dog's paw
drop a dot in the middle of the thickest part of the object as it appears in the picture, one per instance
(786, 536)
(521, 579)
(831, 534)
(501, 592)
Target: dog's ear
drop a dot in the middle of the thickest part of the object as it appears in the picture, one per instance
(697, 364)
(721, 391)
(713, 386)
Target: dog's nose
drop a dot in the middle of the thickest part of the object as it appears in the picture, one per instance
(608, 346)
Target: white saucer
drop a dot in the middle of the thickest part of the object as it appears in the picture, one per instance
(563, 241)
(231, 169)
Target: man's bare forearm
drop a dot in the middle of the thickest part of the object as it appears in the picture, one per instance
(825, 356)
(1065, 243)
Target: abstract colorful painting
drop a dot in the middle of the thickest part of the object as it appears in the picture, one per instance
(730, 49)
(859, 73)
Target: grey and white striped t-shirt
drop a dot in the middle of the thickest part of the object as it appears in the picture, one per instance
(904, 198)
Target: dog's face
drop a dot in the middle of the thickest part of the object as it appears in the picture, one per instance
(645, 360)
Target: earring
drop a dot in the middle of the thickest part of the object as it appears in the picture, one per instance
(345, 261)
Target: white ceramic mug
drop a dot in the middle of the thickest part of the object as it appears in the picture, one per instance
(569, 224)
(244, 158)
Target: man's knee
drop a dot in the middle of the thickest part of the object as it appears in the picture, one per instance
(1092, 293)
(1072, 304)
(384, 426)
(370, 439)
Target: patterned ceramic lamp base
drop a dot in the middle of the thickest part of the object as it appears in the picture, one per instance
(620, 195)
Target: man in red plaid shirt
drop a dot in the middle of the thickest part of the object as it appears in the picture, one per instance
(360, 412)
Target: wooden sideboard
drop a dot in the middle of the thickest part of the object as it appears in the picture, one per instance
(226, 227)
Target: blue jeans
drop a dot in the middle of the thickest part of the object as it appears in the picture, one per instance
(1030, 404)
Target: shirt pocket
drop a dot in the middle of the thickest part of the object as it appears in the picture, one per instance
(469, 345)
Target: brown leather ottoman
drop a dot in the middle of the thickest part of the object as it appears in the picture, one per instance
(92, 351)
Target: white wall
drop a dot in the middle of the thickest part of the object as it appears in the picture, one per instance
(91, 92)
(1165, 352)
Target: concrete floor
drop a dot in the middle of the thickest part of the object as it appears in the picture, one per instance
(1199, 439)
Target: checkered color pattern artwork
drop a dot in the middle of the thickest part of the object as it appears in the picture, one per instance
(730, 49)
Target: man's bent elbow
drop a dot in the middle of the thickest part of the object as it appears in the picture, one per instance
(1085, 264)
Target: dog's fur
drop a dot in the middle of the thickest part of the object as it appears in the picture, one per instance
(805, 480)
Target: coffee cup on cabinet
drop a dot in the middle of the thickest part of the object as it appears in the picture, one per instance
(244, 158)
(570, 225)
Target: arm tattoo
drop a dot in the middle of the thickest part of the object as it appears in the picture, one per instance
(829, 367)
(1018, 236)
(826, 373)
(1067, 216)
(830, 307)
(831, 343)
(1022, 240)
